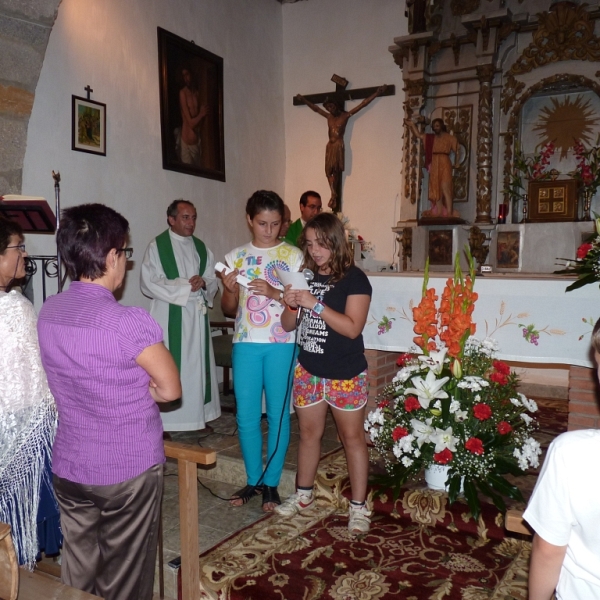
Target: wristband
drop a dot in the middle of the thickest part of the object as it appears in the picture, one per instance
(291, 309)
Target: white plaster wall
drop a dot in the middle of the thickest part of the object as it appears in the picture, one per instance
(112, 46)
(349, 38)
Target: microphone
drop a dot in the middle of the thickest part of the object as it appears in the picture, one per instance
(309, 276)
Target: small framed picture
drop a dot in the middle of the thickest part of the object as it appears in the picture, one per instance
(88, 126)
(440, 247)
(508, 250)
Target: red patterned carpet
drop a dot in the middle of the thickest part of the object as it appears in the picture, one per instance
(418, 547)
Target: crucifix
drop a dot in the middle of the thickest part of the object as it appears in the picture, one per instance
(337, 119)
(89, 90)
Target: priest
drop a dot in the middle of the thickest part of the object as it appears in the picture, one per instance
(178, 273)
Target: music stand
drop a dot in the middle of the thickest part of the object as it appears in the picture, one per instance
(34, 216)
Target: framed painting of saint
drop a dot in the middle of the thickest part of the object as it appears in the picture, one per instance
(191, 107)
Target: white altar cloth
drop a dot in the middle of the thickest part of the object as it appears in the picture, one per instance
(512, 309)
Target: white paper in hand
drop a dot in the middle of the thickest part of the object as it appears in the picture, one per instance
(297, 280)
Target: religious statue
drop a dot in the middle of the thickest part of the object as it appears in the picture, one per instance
(438, 146)
(337, 119)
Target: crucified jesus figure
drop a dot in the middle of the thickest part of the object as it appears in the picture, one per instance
(337, 119)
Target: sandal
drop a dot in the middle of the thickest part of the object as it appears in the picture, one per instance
(270, 495)
(246, 493)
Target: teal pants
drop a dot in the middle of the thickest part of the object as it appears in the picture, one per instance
(258, 367)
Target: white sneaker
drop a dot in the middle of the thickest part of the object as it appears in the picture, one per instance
(359, 519)
(294, 504)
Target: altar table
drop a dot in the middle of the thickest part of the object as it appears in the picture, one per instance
(532, 318)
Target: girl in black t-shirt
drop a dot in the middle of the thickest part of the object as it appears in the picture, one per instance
(332, 368)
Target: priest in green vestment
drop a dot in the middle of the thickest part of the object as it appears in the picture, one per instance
(178, 273)
(310, 206)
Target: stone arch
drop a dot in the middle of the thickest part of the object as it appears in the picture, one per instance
(24, 32)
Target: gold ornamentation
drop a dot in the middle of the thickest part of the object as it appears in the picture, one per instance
(561, 81)
(485, 75)
(463, 7)
(406, 240)
(458, 122)
(511, 89)
(565, 32)
(478, 244)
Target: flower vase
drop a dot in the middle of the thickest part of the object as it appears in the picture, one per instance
(436, 477)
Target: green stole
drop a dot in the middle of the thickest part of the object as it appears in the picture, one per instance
(169, 265)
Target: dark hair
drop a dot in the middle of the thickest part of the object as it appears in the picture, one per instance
(304, 198)
(330, 233)
(173, 208)
(86, 235)
(8, 228)
(441, 122)
(263, 200)
(596, 337)
(337, 103)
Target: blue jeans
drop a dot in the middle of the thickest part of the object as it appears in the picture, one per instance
(269, 367)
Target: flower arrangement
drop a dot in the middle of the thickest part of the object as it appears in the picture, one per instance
(587, 264)
(588, 166)
(452, 403)
(353, 236)
(529, 168)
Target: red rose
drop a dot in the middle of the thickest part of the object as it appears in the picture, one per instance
(399, 432)
(403, 359)
(504, 428)
(411, 403)
(383, 403)
(474, 445)
(443, 457)
(482, 412)
(583, 250)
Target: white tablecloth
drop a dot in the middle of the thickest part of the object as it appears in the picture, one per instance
(506, 306)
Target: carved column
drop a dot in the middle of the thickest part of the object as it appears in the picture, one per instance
(485, 74)
(416, 92)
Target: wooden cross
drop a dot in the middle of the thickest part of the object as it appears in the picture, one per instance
(337, 124)
(341, 94)
(89, 90)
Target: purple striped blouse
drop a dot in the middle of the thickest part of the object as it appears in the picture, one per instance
(109, 427)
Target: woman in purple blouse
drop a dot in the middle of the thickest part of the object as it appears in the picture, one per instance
(107, 368)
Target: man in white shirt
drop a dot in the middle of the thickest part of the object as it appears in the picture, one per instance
(178, 273)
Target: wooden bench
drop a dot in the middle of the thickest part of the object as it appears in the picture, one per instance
(513, 521)
(20, 584)
(188, 458)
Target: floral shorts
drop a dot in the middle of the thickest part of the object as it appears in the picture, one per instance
(345, 394)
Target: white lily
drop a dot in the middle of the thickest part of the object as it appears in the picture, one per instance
(435, 360)
(422, 431)
(443, 439)
(427, 389)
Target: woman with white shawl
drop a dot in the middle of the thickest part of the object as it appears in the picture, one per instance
(27, 409)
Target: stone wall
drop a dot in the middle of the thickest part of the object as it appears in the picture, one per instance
(25, 27)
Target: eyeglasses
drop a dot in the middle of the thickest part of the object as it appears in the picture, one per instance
(313, 207)
(128, 252)
(19, 247)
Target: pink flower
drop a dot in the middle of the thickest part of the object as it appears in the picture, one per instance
(482, 411)
(474, 445)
